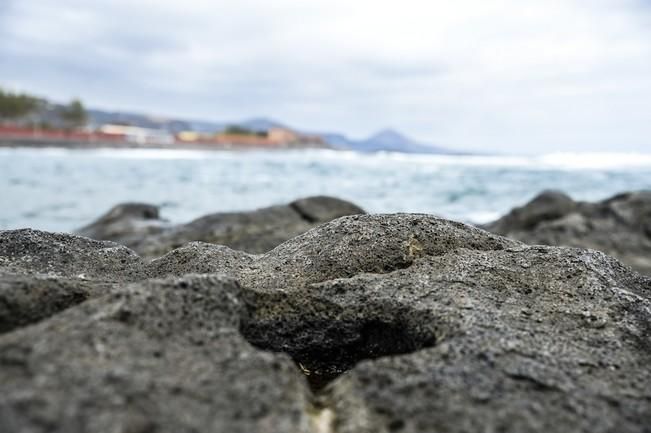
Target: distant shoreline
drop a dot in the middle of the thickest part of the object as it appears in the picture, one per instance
(91, 145)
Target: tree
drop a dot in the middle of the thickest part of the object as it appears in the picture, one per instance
(241, 130)
(238, 130)
(16, 105)
(74, 114)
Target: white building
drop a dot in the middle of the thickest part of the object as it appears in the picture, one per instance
(138, 135)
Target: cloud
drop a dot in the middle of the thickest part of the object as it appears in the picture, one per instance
(507, 75)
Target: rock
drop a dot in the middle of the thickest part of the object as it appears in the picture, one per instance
(399, 322)
(159, 356)
(126, 223)
(28, 252)
(359, 243)
(619, 226)
(320, 209)
(29, 299)
(137, 226)
(412, 323)
(547, 206)
(506, 344)
(200, 258)
(44, 273)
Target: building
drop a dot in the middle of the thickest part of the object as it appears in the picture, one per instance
(138, 135)
(288, 138)
(282, 135)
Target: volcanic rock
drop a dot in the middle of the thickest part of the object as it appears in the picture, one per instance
(619, 226)
(44, 273)
(412, 323)
(138, 226)
(368, 323)
(28, 252)
(158, 356)
(126, 223)
(29, 299)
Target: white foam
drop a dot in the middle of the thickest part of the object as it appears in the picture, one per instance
(596, 161)
(553, 161)
(482, 217)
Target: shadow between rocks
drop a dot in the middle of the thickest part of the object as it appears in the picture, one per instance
(323, 350)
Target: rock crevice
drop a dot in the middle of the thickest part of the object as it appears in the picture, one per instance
(402, 322)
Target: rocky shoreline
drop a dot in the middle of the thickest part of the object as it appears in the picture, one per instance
(140, 227)
(620, 226)
(320, 318)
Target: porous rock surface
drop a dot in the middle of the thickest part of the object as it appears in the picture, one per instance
(396, 323)
(157, 356)
(126, 223)
(29, 299)
(27, 251)
(43, 273)
(139, 226)
(619, 226)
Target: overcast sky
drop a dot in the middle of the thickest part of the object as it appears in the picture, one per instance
(505, 75)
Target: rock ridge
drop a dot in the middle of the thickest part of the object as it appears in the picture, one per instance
(619, 226)
(368, 323)
(139, 226)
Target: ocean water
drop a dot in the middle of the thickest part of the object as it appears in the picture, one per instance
(60, 189)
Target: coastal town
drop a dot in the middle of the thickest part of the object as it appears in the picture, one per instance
(28, 121)
(32, 121)
(115, 135)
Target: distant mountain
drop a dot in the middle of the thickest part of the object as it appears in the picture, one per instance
(387, 140)
(203, 126)
(260, 124)
(339, 141)
(101, 117)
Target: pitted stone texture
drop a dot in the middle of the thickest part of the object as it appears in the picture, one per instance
(342, 248)
(44, 273)
(138, 226)
(619, 226)
(447, 327)
(536, 339)
(29, 252)
(28, 299)
(400, 323)
(158, 356)
(200, 258)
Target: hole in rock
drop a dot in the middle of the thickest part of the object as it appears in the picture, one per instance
(324, 350)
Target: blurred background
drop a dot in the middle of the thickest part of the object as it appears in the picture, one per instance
(462, 109)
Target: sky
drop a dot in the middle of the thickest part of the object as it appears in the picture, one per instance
(514, 76)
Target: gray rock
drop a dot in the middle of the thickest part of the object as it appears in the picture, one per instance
(29, 299)
(126, 223)
(534, 339)
(320, 209)
(138, 227)
(200, 258)
(159, 356)
(342, 248)
(547, 206)
(398, 322)
(619, 226)
(44, 273)
(29, 252)
(492, 335)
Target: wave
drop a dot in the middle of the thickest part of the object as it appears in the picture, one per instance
(551, 161)
(596, 161)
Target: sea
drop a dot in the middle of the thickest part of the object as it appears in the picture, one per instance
(62, 189)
